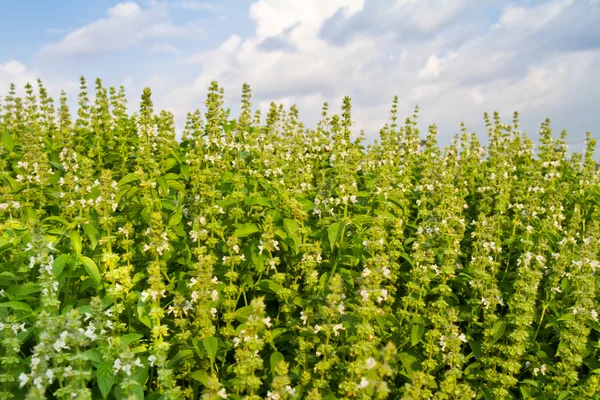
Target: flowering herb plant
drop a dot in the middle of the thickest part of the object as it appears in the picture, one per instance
(260, 259)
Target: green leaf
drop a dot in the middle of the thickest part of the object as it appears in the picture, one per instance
(476, 348)
(176, 218)
(245, 230)
(4, 243)
(93, 355)
(242, 313)
(76, 243)
(291, 228)
(211, 344)
(162, 182)
(200, 376)
(142, 314)
(363, 220)
(57, 219)
(185, 171)
(257, 259)
(416, 334)
(410, 363)
(498, 329)
(10, 180)
(270, 286)
(126, 340)
(106, 378)
(334, 232)
(91, 269)
(258, 201)
(564, 395)
(59, 264)
(26, 290)
(7, 141)
(16, 305)
(170, 163)
(179, 357)
(92, 233)
(132, 177)
(275, 359)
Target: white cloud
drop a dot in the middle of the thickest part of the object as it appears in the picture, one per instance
(126, 24)
(164, 48)
(198, 5)
(434, 66)
(455, 59)
(534, 17)
(128, 10)
(15, 72)
(462, 69)
(428, 15)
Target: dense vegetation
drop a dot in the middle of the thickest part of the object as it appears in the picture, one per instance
(260, 259)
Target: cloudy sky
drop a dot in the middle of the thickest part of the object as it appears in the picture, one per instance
(453, 58)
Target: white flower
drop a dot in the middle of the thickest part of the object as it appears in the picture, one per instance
(462, 338)
(384, 294)
(594, 315)
(291, 391)
(371, 363)
(213, 312)
(214, 295)
(542, 369)
(151, 360)
(317, 329)
(303, 317)
(364, 294)
(363, 383)
(272, 396)
(23, 379)
(443, 342)
(336, 328)
(366, 272)
(222, 393)
(267, 322)
(117, 365)
(484, 302)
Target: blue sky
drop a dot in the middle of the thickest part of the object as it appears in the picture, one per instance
(454, 58)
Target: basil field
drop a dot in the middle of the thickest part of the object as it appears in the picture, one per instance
(258, 258)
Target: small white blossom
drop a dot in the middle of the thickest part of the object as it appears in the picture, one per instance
(23, 379)
(371, 363)
(364, 382)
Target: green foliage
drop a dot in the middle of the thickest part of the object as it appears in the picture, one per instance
(256, 260)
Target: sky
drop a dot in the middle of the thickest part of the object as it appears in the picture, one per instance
(455, 59)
